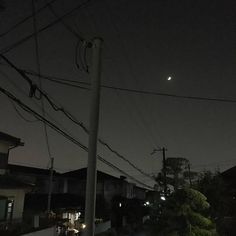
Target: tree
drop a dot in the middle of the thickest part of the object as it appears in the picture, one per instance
(185, 214)
(177, 171)
(220, 197)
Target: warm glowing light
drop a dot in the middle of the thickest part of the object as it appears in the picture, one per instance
(83, 226)
(169, 78)
(120, 205)
(163, 198)
(147, 203)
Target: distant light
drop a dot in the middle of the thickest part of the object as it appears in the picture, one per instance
(147, 203)
(120, 205)
(163, 198)
(169, 78)
(83, 226)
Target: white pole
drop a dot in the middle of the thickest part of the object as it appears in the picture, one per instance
(93, 133)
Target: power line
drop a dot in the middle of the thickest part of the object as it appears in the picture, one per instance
(20, 115)
(74, 83)
(60, 131)
(86, 130)
(36, 104)
(70, 29)
(13, 27)
(63, 81)
(81, 44)
(23, 40)
(130, 68)
(74, 120)
(39, 77)
(21, 72)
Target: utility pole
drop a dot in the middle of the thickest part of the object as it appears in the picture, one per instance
(50, 185)
(93, 133)
(163, 150)
(164, 169)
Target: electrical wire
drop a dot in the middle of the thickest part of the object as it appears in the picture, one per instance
(69, 28)
(144, 121)
(60, 131)
(81, 45)
(81, 124)
(56, 21)
(74, 120)
(74, 83)
(39, 77)
(77, 63)
(13, 27)
(139, 122)
(86, 130)
(35, 103)
(20, 115)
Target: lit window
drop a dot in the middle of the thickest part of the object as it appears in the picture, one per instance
(9, 213)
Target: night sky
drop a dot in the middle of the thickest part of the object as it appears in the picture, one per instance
(144, 43)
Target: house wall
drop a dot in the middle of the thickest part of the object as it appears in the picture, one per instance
(41, 181)
(127, 190)
(112, 188)
(140, 193)
(100, 188)
(74, 186)
(18, 195)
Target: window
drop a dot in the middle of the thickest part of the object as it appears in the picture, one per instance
(9, 209)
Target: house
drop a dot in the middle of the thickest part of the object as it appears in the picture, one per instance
(37, 177)
(12, 190)
(12, 194)
(68, 194)
(115, 199)
(108, 186)
(7, 142)
(229, 220)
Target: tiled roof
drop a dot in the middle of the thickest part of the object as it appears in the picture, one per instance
(230, 173)
(82, 174)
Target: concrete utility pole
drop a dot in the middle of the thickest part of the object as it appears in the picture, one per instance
(163, 150)
(164, 169)
(93, 133)
(50, 185)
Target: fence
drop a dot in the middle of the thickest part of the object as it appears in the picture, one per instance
(101, 227)
(44, 232)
